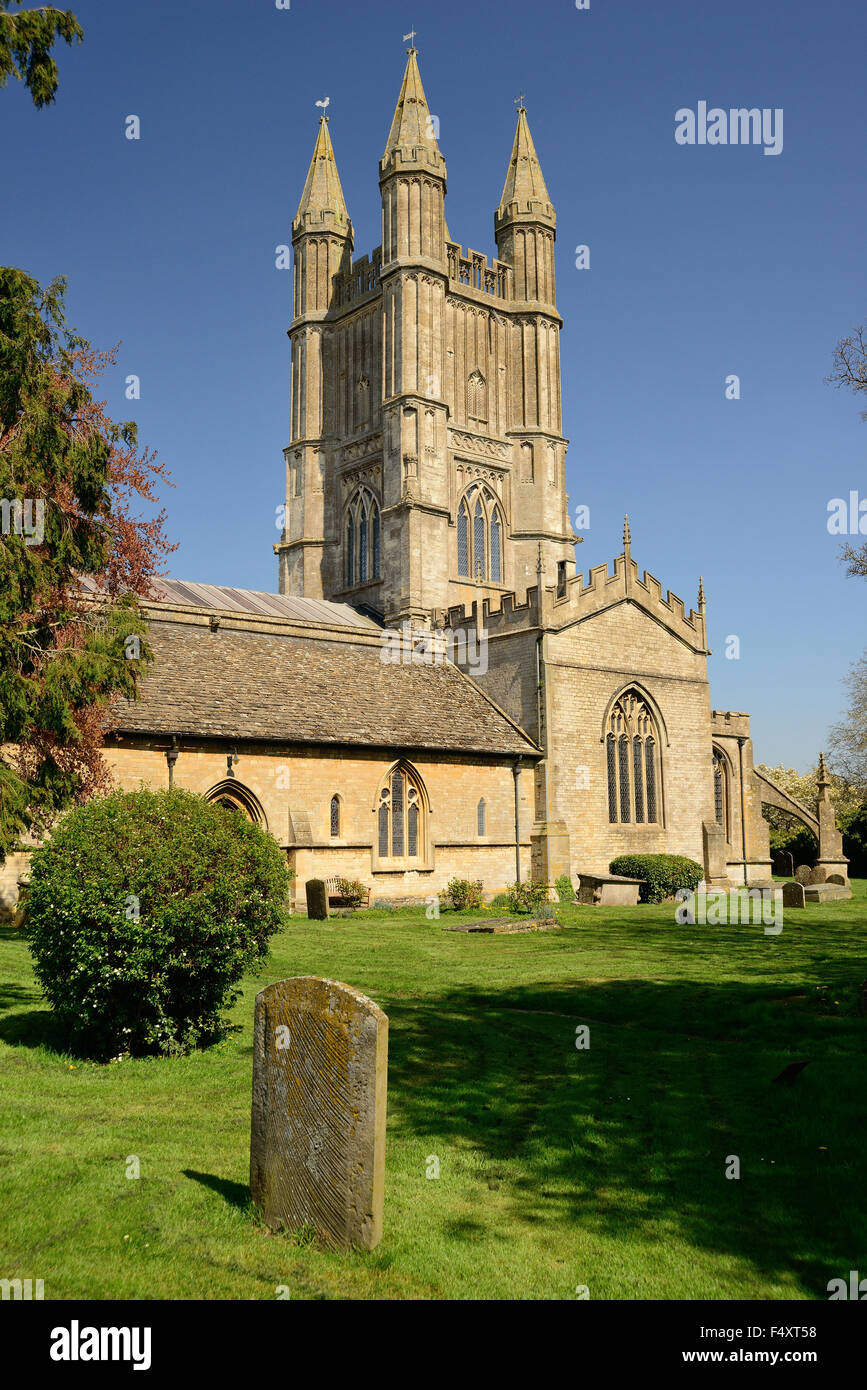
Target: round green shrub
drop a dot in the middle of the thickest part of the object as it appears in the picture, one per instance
(467, 894)
(663, 874)
(143, 912)
(526, 897)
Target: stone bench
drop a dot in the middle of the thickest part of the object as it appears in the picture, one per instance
(608, 890)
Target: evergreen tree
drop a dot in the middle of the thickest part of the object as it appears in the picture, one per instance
(26, 40)
(73, 558)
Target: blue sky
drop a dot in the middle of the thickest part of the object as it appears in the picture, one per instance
(705, 261)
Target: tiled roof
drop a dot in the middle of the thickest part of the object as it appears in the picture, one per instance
(307, 688)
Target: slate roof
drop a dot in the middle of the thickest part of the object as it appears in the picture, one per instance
(309, 689)
(217, 597)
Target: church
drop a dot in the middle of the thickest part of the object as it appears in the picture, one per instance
(426, 511)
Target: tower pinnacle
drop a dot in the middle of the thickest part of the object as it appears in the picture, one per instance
(411, 137)
(524, 192)
(322, 205)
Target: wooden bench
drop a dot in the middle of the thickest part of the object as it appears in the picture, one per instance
(334, 896)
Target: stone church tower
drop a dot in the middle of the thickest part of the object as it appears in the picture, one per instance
(426, 463)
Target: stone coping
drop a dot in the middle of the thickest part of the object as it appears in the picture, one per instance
(507, 925)
(605, 878)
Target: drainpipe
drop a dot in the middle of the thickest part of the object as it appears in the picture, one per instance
(741, 742)
(516, 769)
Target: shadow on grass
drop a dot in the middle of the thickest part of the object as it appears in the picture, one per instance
(633, 1135)
(237, 1194)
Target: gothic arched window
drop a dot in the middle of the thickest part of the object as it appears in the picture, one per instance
(363, 552)
(477, 398)
(632, 762)
(350, 551)
(481, 817)
(463, 541)
(480, 536)
(335, 817)
(720, 791)
(400, 816)
(362, 539)
(496, 567)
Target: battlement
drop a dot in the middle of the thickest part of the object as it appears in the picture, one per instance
(472, 271)
(504, 613)
(582, 600)
(362, 279)
(730, 722)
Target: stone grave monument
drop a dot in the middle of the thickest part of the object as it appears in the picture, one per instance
(317, 1143)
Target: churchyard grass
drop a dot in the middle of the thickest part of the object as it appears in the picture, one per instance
(558, 1167)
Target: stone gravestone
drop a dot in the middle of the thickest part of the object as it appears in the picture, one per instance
(317, 1144)
(802, 873)
(793, 895)
(317, 899)
(786, 864)
(837, 878)
(819, 875)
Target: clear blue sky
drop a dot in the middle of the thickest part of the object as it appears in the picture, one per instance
(705, 261)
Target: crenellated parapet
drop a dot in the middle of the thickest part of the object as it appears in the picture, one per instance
(361, 280)
(728, 723)
(603, 589)
(472, 271)
(580, 600)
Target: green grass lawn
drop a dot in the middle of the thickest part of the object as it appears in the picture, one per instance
(558, 1167)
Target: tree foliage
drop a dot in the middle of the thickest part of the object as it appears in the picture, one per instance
(848, 738)
(26, 40)
(850, 370)
(71, 633)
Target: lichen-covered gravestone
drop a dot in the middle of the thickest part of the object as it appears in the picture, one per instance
(317, 899)
(317, 1144)
(803, 873)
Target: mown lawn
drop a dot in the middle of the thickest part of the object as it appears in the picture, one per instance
(558, 1167)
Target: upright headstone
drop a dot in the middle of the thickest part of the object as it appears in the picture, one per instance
(317, 899)
(819, 874)
(786, 864)
(793, 895)
(317, 1145)
(802, 873)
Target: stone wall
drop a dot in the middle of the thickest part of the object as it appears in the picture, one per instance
(586, 666)
(294, 788)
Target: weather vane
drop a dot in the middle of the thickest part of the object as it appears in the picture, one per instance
(410, 36)
(519, 102)
(324, 103)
